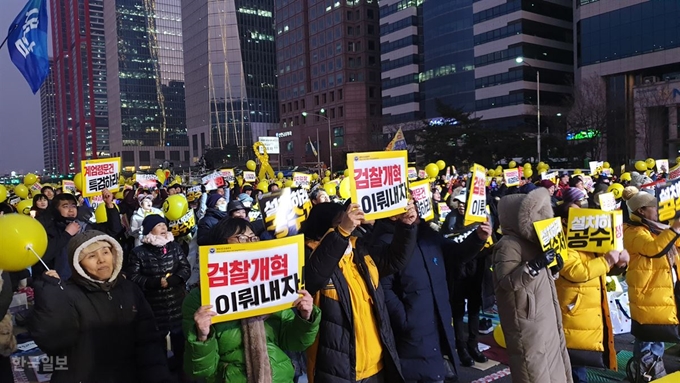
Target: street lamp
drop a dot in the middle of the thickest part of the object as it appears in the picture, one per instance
(520, 60)
(330, 143)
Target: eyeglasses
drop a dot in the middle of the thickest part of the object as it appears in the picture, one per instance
(242, 238)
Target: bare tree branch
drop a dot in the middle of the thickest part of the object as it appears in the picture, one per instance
(588, 111)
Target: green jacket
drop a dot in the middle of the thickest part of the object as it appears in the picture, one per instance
(221, 358)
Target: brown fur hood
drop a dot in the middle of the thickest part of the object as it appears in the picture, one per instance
(518, 212)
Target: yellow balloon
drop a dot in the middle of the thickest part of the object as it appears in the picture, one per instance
(650, 163)
(346, 173)
(264, 186)
(527, 165)
(616, 189)
(3, 193)
(18, 234)
(24, 207)
(251, 165)
(30, 179)
(160, 174)
(119, 195)
(677, 160)
(578, 171)
(605, 165)
(178, 180)
(279, 184)
(441, 164)
(175, 207)
(100, 213)
(330, 188)
(288, 183)
(512, 164)
(315, 176)
(640, 166)
(432, 170)
(279, 176)
(326, 180)
(327, 173)
(21, 191)
(344, 188)
(626, 177)
(491, 173)
(528, 173)
(498, 336)
(78, 181)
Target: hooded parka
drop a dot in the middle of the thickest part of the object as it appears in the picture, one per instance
(527, 305)
(653, 300)
(582, 291)
(105, 330)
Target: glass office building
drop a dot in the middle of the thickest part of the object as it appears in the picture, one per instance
(48, 113)
(230, 71)
(146, 82)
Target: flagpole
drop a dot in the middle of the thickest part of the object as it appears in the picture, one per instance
(2, 44)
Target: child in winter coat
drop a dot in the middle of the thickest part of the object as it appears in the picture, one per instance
(161, 269)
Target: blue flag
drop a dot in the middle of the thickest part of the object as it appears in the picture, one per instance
(27, 43)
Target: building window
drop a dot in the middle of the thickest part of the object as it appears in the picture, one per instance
(297, 120)
(303, 103)
(349, 31)
(369, 14)
(289, 146)
(338, 136)
(341, 111)
(350, 47)
(371, 92)
(358, 30)
(194, 142)
(371, 30)
(372, 109)
(339, 94)
(332, 96)
(316, 100)
(350, 15)
(283, 110)
(186, 156)
(296, 105)
(159, 155)
(323, 98)
(332, 112)
(371, 45)
(174, 155)
(202, 141)
(144, 157)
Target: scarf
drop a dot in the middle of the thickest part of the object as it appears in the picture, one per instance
(258, 369)
(158, 240)
(656, 228)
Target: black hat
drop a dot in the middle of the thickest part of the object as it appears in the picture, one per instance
(247, 187)
(150, 222)
(236, 205)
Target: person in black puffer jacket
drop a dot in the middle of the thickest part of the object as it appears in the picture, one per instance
(99, 322)
(161, 269)
(217, 211)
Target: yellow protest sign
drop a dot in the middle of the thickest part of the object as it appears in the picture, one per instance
(99, 175)
(551, 236)
(475, 208)
(444, 210)
(378, 182)
(229, 175)
(595, 230)
(422, 197)
(284, 211)
(511, 177)
(244, 280)
(184, 225)
(669, 200)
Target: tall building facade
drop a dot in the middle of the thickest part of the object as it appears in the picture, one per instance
(633, 47)
(48, 113)
(80, 81)
(146, 94)
(230, 71)
(541, 32)
(328, 65)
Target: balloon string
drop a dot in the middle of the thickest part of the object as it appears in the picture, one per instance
(29, 247)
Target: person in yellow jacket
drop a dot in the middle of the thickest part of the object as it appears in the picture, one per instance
(582, 294)
(652, 276)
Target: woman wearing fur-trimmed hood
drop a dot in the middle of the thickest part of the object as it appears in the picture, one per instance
(525, 291)
(98, 322)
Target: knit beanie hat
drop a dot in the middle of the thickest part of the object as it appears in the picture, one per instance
(212, 200)
(150, 222)
(572, 195)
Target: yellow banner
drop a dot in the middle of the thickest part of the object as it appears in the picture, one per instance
(244, 280)
(422, 197)
(475, 208)
(511, 177)
(378, 182)
(595, 230)
(99, 175)
(549, 232)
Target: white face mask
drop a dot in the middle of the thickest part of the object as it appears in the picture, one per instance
(222, 207)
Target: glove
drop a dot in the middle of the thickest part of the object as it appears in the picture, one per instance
(174, 280)
(541, 261)
(560, 264)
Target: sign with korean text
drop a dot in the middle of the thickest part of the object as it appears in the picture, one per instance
(146, 181)
(244, 280)
(595, 166)
(511, 177)
(422, 198)
(213, 181)
(194, 193)
(271, 144)
(412, 173)
(552, 176)
(378, 182)
(444, 210)
(422, 174)
(607, 201)
(595, 230)
(668, 195)
(228, 175)
(551, 236)
(94, 201)
(587, 182)
(184, 225)
(284, 211)
(249, 176)
(475, 208)
(674, 172)
(68, 186)
(662, 166)
(302, 180)
(99, 175)
(35, 188)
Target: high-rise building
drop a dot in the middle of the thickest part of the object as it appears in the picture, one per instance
(48, 112)
(328, 57)
(541, 32)
(632, 47)
(80, 81)
(230, 71)
(146, 83)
